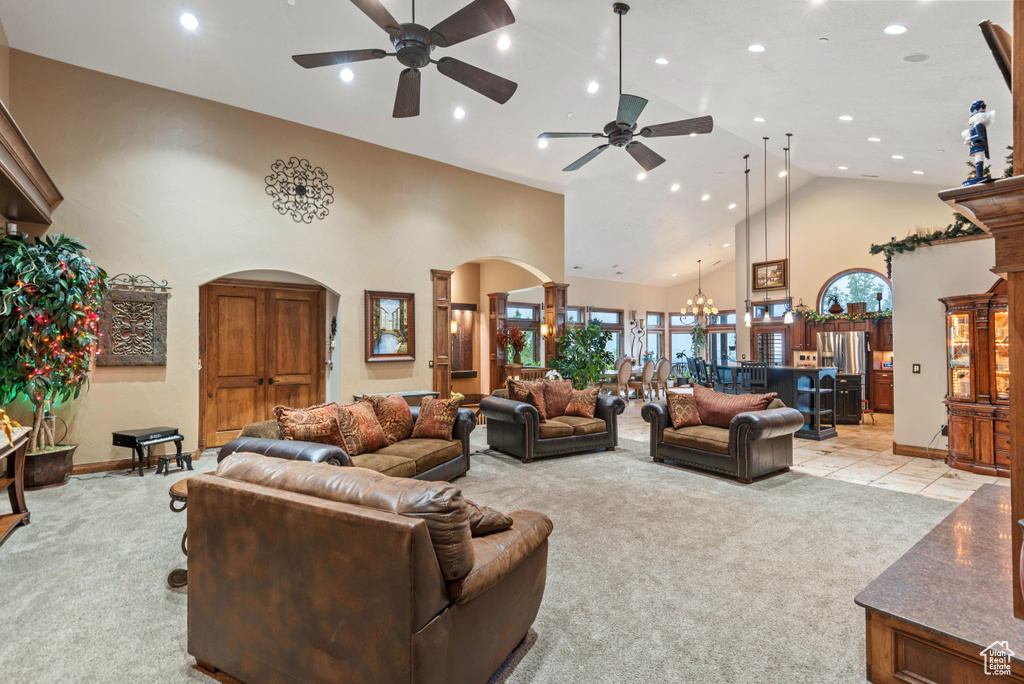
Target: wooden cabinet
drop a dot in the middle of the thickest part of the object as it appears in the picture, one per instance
(882, 334)
(848, 399)
(882, 391)
(978, 377)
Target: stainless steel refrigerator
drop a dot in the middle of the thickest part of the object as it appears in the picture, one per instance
(848, 353)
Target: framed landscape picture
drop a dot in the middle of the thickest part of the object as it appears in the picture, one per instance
(390, 326)
(770, 275)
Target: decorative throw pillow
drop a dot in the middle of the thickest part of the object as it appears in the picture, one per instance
(718, 410)
(557, 394)
(484, 520)
(437, 418)
(394, 416)
(314, 424)
(360, 429)
(682, 408)
(582, 403)
(531, 392)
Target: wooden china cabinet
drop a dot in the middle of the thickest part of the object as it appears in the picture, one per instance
(978, 398)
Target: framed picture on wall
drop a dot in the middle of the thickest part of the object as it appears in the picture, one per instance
(390, 326)
(770, 275)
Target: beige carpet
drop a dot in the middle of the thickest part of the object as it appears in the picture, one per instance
(656, 574)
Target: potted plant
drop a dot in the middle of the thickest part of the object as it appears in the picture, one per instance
(50, 293)
(833, 299)
(512, 337)
(583, 355)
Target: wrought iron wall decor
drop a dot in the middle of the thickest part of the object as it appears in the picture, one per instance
(133, 322)
(299, 190)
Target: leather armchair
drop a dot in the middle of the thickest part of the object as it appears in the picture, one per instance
(514, 427)
(760, 442)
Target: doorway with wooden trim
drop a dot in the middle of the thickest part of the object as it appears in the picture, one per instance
(262, 344)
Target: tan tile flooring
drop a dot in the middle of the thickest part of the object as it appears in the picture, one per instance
(861, 454)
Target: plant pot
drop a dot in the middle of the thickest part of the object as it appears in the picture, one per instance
(49, 468)
(835, 309)
(518, 358)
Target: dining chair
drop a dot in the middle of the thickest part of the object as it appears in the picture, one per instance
(618, 362)
(661, 376)
(754, 376)
(645, 385)
(621, 381)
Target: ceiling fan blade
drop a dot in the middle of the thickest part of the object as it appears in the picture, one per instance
(630, 107)
(484, 82)
(380, 15)
(585, 159)
(571, 135)
(475, 19)
(320, 59)
(644, 155)
(407, 101)
(702, 124)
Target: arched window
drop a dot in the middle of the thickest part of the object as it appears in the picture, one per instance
(856, 285)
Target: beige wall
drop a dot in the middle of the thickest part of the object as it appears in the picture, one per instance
(5, 68)
(172, 186)
(919, 330)
(834, 223)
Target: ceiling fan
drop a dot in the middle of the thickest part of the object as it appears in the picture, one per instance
(414, 43)
(620, 133)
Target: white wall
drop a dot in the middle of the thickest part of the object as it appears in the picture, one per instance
(920, 278)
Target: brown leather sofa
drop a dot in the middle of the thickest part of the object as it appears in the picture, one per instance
(301, 572)
(421, 459)
(514, 427)
(756, 443)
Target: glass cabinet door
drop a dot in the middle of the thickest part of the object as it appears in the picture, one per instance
(1001, 353)
(959, 355)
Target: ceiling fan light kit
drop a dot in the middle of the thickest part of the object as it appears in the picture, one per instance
(415, 43)
(623, 130)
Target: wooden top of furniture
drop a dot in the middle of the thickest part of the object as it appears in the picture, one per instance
(409, 394)
(957, 581)
(13, 482)
(179, 490)
(27, 193)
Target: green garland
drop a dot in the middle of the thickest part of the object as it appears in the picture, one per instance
(813, 317)
(960, 227)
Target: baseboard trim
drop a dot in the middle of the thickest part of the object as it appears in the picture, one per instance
(918, 452)
(121, 464)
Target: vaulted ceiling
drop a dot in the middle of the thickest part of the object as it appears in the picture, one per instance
(823, 59)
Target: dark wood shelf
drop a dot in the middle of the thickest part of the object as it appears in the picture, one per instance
(9, 523)
(13, 482)
(5, 482)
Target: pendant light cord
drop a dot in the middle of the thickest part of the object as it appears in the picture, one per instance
(766, 210)
(746, 178)
(789, 222)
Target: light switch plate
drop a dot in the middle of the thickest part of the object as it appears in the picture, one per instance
(917, 368)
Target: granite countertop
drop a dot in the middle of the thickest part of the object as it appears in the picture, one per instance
(958, 580)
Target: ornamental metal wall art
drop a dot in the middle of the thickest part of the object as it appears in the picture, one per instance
(299, 190)
(133, 322)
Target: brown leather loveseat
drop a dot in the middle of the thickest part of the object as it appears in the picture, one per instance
(303, 572)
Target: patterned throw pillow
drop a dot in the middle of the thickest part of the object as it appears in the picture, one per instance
(360, 429)
(314, 424)
(718, 410)
(557, 394)
(531, 392)
(582, 403)
(437, 419)
(394, 416)
(683, 410)
(484, 520)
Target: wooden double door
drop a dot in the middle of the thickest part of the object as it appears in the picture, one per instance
(262, 344)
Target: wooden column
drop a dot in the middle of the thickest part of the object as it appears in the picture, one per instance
(496, 321)
(555, 303)
(442, 296)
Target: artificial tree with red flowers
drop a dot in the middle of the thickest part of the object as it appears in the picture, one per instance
(512, 337)
(50, 296)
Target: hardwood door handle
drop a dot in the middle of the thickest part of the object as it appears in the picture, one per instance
(260, 382)
(270, 381)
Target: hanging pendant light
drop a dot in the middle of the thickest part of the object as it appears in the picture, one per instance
(746, 180)
(767, 307)
(788, 317)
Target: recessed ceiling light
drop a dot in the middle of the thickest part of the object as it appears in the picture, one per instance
(569, 115)
(915, 57)
(843, 168)
(641, 175)
(874, 140)
(919, 173)
(346, 75)
(693, 135)
(897, 156)
(732, 206)
(504, 42)
(291, 2)
(189, 21)
(459, 113)
(846, 117)
(759, 119)
(782, 174)
(593, 87)
(576, 268)
(542, 143)
(661, 60)
(756, 47)
(823, 39)
(726, 244)
(674, 275)
(618, 273)
(705, 198)
(895, 29)
(675, 187)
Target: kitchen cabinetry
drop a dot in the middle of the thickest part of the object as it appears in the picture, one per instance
(848, 399)
(882, 391)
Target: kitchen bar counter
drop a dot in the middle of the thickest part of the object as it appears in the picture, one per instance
(810, 391)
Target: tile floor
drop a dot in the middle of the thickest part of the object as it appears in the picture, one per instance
(861, 454)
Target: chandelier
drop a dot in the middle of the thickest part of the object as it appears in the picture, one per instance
(700, 306)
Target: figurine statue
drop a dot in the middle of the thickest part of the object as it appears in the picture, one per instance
(977, 137)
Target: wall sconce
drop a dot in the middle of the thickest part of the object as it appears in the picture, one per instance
(544, 329)
(454, 327)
